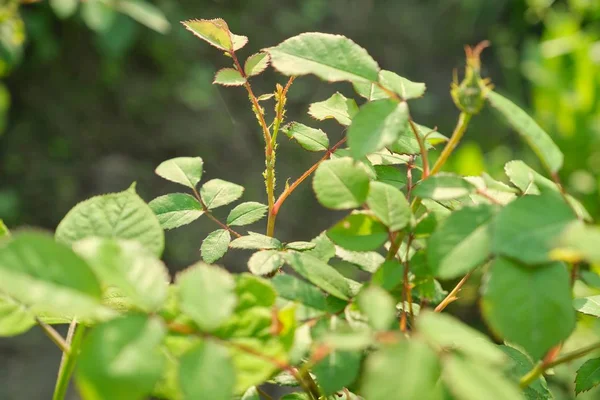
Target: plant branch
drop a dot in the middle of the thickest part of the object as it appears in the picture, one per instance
(422, 147)
(54, 336)
(67, 364)
(459, 131)
(303, 177)
(541, 367)
(211, 216)
(452, 296)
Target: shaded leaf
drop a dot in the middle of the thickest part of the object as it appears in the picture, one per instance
(291, 288)
(64, 8)
(359, 232)
(588, 375)
(341, 184)
(442, 187)
(15, 317)
(461, 243)
(320, 274)
(522, 304)
(146, 14)
(389, 205)
(176, 209)
(215, 245)
(528, 228)
(379, 307)
(522, 364)
(337, 370)
(376, 125)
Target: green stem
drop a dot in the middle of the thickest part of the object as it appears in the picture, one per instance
(541, 367)
(459, 131)
(67, 364)
(56, 338)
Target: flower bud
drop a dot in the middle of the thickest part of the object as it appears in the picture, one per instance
(470, 94)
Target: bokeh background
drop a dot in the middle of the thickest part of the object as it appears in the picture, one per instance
(95, 94)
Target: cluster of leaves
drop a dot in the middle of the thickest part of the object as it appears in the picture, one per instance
(296, 319)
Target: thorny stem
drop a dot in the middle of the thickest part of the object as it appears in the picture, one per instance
(54, 336)
(270, 161)
(541, 367)
(461, 127)
(422, 148)
(406, 294)
(269, 145)
(211, 216)
(288, 190)
(67, 364)
(452, 296)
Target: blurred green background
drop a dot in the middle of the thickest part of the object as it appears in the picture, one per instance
(95, 94)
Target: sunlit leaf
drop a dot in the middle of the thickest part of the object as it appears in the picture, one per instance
(215, 245)
(229, 77)
(337, 106)
(340, 184)
(216, 193)
(176, 209)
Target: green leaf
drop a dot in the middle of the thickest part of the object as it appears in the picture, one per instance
(310, 139)
(359, 232)
(337, 370)
(320, 274)
(176, 209)
(588, 375)
(578, 242)
(186, 171)
(252, 370)
(388, 275)
(121, 359)
(442, 187)
(255, 241)
(215, 245)
(207, 295)
(251, 394)
(300, 246)
(337, 107)
(449, 333)
(461, 243)
(407, 142)
(530, 181)
(128, 266)
(264, 262)
(420, 372)
(522, 364)
(64, 8)
(588, 305)
(216, 193)
(216, 33)
(377, 124)
(366, 260)
(291, 288)
(146, 14)
(379, 307)
(256, 63)
(324, 248)
(528, 228)
(403, 87)
(394, 83)
(330, 57)
(522, 304)
(474, 381)
(341, 184)
(390, 175)
(207, 370)
(122, 215)
(229, 77)
(530, 131)
(4, 232)
(38, 272)
(15, 318)
(389, 205)
(246, 213)
(98, 15)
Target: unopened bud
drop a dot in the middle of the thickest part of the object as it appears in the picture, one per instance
(470, 94)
